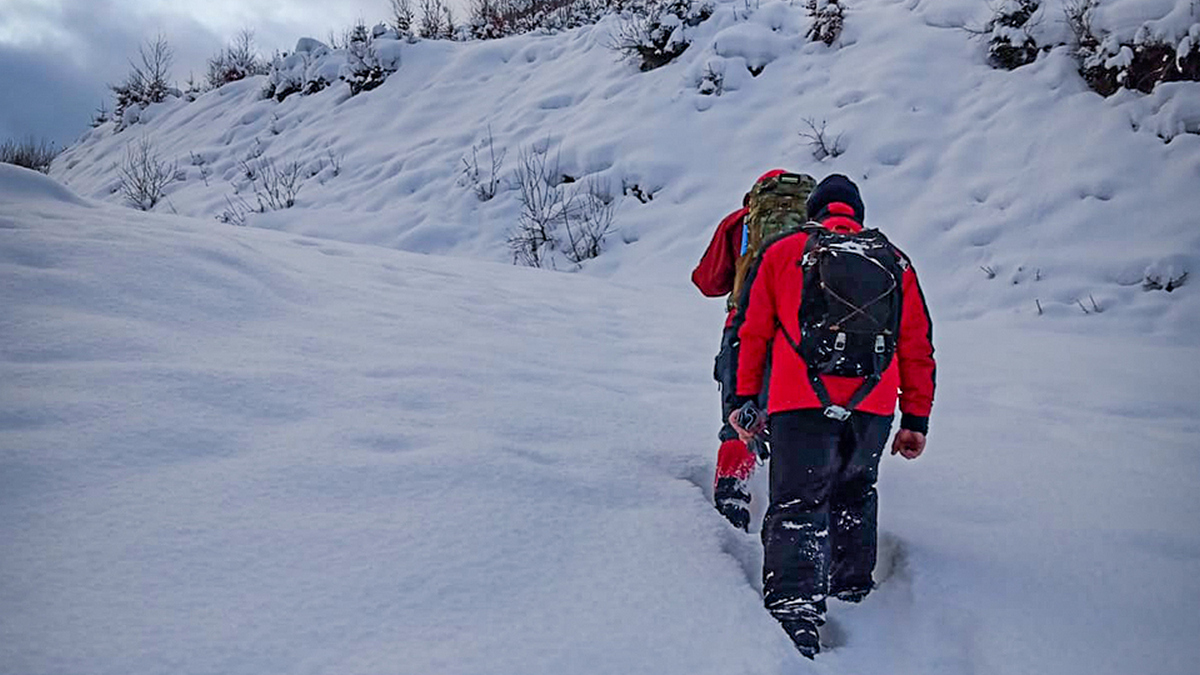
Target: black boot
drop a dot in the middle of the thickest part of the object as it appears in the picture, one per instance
(853, 594)
(804, 635)
(733, 501)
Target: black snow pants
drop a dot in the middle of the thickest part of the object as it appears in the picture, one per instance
(725, 373)
(819, 534)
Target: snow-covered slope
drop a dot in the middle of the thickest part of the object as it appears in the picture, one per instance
(239, 450)
(1065, 196)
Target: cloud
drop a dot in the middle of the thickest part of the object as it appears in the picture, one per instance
(57, 58)
(45, 97)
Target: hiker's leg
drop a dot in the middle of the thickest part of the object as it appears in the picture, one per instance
(795, 534)
(735, 462)
(854, 506)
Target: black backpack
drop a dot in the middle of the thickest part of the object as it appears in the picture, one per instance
(849, 310)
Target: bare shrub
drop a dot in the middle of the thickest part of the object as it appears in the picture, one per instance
(572, 221)
(147, 81)
(29, 153)
(432, 22)
(543, 206)
(484, 187)
(143, 176)
(590, 221)
(237, 61)
(828, 17)
(818, 140)
(235, 211)
(275, 187)
(201, 164)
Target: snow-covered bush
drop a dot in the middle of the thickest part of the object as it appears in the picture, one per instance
(29, 153)
(367, 60)
(1162, 48)
(1010, 43)
(148, 80)
(366, 67)
(304, 71)
(828, 17)
(655, 33)
(235, 62)
(192, 89)
(712, 79)
(490, 19)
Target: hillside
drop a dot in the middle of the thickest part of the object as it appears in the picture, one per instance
(961, 164)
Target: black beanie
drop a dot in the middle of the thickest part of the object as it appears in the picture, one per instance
(835, 188)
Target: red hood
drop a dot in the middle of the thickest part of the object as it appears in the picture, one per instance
(839, 217)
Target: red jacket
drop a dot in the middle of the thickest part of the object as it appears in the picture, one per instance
(775, 301)
(716, 270)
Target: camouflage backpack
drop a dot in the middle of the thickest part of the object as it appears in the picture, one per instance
(776, 205)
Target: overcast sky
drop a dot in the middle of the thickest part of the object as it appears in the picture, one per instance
(58, 56)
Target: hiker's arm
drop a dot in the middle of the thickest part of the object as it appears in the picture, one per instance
(757, 328)
(714, 274)
(915, 352)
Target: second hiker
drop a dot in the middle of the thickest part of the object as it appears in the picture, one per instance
(776, 202)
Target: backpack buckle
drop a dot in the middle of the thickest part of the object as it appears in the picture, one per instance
(839, 342)
(837, 412)
(880, 344)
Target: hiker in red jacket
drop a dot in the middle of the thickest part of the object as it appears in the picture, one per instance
(716, 275)
(827, 430)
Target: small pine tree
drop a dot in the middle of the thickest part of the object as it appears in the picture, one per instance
(101, 115)
(828, 17)
(1011, 46)
(403, 17)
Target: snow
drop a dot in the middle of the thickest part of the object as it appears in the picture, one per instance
(352, 438)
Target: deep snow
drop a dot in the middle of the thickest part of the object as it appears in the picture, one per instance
(236, 450)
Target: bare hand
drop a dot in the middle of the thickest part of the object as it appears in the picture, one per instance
(910, 444)
(747, 435)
